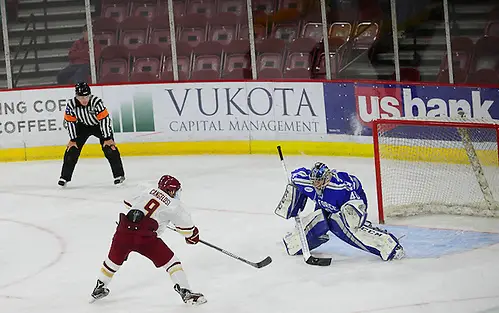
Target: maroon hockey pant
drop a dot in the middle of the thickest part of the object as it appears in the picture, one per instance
(141, 238)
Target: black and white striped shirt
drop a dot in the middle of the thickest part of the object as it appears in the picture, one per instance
(93, 114)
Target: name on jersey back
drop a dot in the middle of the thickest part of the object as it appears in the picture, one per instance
(160, 196)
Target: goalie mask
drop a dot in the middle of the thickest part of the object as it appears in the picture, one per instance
(320, 176)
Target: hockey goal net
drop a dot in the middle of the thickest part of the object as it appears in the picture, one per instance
(436, 167)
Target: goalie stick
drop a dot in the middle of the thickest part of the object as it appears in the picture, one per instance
(309, 259)
(260, 264)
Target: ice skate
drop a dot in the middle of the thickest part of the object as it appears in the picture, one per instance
(189, 297)
(119, 180)
(99, 291)
(399, 253)
(62, 182)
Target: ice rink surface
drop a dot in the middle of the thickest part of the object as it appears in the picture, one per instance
(53, 241)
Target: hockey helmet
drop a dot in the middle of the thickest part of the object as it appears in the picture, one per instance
(169, 183)
(82, 89)
(320, 175)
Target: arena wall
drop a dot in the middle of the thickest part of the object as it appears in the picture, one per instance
(316, 118)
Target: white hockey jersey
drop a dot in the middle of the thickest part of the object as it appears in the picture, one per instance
(158, 205)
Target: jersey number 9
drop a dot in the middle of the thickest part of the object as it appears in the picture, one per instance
(151, 206)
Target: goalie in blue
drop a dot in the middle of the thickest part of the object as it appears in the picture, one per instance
(340, 207)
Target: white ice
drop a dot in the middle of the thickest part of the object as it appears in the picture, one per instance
(53, 241)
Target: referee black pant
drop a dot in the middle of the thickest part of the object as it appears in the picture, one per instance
(71, 156)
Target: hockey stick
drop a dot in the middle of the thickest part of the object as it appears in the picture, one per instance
(309, 259)
(260, 264)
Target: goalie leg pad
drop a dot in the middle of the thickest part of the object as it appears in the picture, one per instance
(368, 238)
(315, 229)
(292, 203)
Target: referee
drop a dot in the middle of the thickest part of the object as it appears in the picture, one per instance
(87, 116)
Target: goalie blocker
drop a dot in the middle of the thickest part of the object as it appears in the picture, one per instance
(340, 207)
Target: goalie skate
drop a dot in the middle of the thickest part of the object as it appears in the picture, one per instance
(189, 297)
(399, 253)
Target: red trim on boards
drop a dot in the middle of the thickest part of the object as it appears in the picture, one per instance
(36, 88)
(436, 123)
(337, 81)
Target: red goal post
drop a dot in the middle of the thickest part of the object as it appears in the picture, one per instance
(436, 166)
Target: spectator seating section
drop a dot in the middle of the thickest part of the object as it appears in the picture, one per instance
(408, 74)
(12, 9)
(459, 75)
(475, 62)
(212, 39)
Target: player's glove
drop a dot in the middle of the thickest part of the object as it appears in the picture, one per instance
(194, 238)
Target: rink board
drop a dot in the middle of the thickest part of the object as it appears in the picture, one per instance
(208, 147)
(315, 118)
(394, 152)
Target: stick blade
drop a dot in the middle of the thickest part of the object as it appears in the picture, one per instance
(264, 262)
(318, 261)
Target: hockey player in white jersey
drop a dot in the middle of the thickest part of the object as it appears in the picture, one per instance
(147, 216)
(340, 207)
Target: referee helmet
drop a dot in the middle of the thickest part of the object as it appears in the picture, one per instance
(82, 89)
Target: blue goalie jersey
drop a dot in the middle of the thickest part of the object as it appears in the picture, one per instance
(342, 188)
(340, 208)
